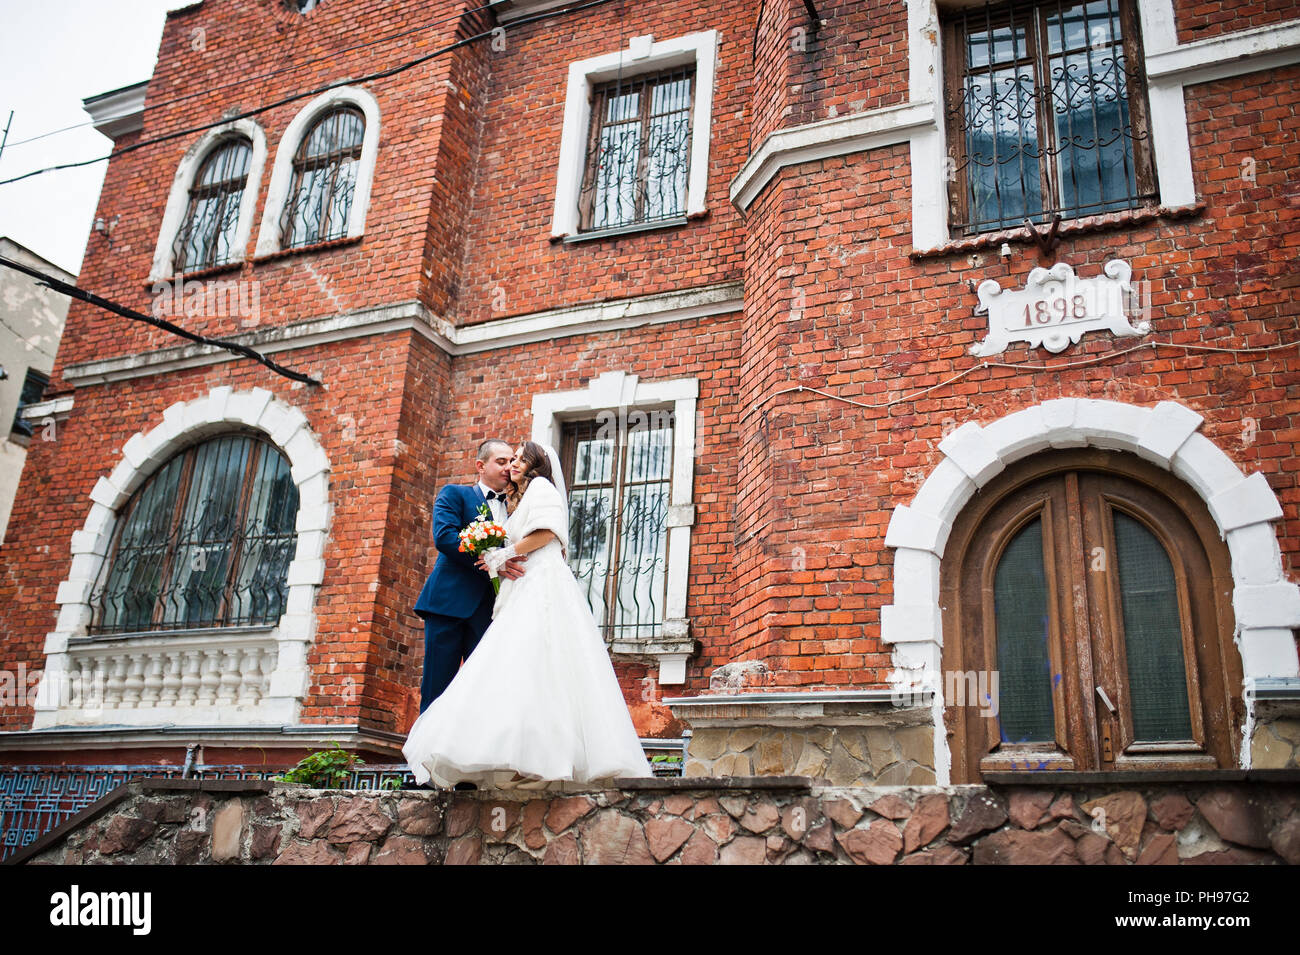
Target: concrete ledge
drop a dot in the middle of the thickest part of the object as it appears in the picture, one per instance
(1193, 776)
(351, 737)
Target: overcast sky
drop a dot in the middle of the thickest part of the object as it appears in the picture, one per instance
(53, 54)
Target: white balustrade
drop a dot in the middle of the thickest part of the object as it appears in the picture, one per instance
(186, 678)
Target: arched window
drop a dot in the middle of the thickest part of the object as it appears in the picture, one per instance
(324, 179)
(206, 542)
(206, 237)
(1088, 623)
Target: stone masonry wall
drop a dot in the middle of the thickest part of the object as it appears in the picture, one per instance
(884, 755)
(781, 821)
(1275, 744)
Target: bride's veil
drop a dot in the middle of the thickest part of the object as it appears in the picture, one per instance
(557, 475)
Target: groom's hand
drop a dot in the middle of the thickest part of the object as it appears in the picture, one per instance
(513, 569)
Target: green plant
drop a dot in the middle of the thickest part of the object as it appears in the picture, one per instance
(323, 769)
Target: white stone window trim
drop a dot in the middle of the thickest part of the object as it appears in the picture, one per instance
(1265, 603)
(1169, 68)
(642, 56)
(269, 240)
(178, 199)
(618, 391)
(279, 701)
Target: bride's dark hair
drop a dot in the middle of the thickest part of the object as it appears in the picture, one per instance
(536, 464)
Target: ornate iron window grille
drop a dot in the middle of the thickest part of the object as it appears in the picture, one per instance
(1046, 108)
(324, 180)
(205, 543)
(638, 151)
(618, 509)
(206, 237)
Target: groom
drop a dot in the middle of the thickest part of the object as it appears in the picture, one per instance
(456, 602)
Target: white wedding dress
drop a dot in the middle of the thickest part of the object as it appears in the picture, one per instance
(538, 696)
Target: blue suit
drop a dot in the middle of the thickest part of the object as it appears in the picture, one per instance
(456, 602)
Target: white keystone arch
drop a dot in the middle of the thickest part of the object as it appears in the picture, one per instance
(1266, 604)
(282, 648)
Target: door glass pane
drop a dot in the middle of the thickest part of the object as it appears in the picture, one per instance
(1152, 635)
(1024, 665)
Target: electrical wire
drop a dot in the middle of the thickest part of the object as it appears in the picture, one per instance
(58, 285)
(1080, 363)
(379, 75)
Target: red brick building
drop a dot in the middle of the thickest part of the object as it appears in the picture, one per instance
(989, 497)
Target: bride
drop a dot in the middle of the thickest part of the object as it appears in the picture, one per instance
(537, 702)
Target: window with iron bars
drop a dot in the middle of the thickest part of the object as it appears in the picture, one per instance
(206, 542)
(619, 492)
(324, 179)
(206, 236)
(638, 151)
(1046, 113)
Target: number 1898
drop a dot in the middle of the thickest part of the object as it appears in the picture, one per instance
(1057, 310)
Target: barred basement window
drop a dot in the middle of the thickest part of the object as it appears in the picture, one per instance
(324, 179)
(1046, 113)
(619, 492)
(638, 151)
(206, 542)
(207, 234)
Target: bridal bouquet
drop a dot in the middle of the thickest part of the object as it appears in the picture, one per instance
(482, 536)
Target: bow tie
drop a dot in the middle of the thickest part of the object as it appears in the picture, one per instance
(496, 496)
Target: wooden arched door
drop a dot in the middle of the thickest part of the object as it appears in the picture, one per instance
(1091, 592)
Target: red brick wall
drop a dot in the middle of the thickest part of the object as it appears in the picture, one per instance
(1198, 19)
(877, 327)
(772, 43)
(856, 62)
(515, 190)
(195, 87)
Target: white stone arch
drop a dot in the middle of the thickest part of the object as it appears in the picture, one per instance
(260, 673)
(179, 198)
(1266, 604)
(277, 193)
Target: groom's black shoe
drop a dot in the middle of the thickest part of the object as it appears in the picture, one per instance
(465, 786)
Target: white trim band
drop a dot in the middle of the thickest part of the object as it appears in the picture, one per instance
(463, 340)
